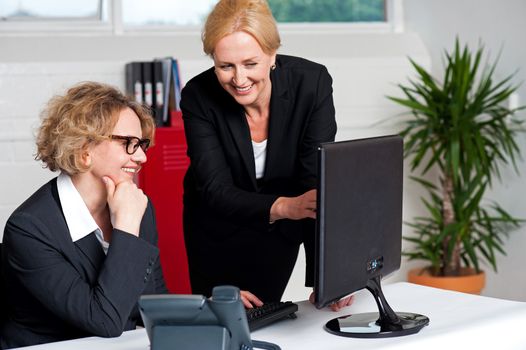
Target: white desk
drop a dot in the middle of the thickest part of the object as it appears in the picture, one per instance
(458, 321)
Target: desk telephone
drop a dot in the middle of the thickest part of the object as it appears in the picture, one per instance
(195, 322)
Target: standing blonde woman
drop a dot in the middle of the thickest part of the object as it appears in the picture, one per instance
(253, 123)
(80, 251)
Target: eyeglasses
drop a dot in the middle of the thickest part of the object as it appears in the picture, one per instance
(132, 143)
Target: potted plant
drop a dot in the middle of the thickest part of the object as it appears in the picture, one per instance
(460, 127)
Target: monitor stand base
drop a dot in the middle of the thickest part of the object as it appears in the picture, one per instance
(382, 324)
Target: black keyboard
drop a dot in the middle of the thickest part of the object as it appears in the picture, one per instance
(269, 313)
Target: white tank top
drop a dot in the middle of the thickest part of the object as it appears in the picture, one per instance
(260, 155)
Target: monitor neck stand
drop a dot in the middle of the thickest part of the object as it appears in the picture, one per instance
(382, 324)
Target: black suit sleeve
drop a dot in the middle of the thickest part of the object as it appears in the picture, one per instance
(41, 267)
(149, 228)
(321, 128)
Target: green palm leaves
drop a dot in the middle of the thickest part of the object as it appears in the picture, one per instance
(461, 127)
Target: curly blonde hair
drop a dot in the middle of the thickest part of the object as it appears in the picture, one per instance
(251, 16)
(84, 116)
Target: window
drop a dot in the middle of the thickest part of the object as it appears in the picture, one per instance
(185, 12)
(315, 11)
(38, 10)
(120, 16)
(165, 12)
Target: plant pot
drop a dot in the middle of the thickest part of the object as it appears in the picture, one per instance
(467, 282)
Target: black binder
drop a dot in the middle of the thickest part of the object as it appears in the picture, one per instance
(158, 93)
(148, 89)
(157, 85)
(134, 81)
(166, 64)
(176, 84)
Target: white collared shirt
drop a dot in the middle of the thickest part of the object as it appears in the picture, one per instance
(78, 218)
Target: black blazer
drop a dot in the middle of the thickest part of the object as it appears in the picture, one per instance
(58, 289)
(221, 194)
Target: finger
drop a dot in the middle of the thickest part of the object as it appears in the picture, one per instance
(311, 193)
(311, 196)
(311, 208)
(335, 307)
(350, 300)
(311, 203)
(110, 186)
(251, 299)
(312, 297)
(246, 303)
(345, 302)
(342, 303)
(310, 214)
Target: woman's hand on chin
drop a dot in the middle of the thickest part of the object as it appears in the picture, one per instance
(127, 204)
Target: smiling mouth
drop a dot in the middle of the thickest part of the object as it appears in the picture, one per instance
(243, 89)
(131, 170)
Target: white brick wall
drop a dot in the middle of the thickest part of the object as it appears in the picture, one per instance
(362, 79)
(360, 86)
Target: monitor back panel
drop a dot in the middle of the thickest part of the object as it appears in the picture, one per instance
(359, 213)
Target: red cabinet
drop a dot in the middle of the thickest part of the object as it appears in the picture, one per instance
(162, 180)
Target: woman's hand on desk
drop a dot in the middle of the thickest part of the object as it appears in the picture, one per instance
(337, 306)
(294, 208)
(340, 304)
(250, 300)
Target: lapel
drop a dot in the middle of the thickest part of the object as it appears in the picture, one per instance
(279, 116)
(58, 221)
(238, 125)
(88, 245)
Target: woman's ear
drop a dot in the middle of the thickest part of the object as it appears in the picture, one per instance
(86, 157)
(273, 61)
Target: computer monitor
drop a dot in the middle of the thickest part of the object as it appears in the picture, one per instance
(359, 232)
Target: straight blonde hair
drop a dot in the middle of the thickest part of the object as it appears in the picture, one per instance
(251, 16)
